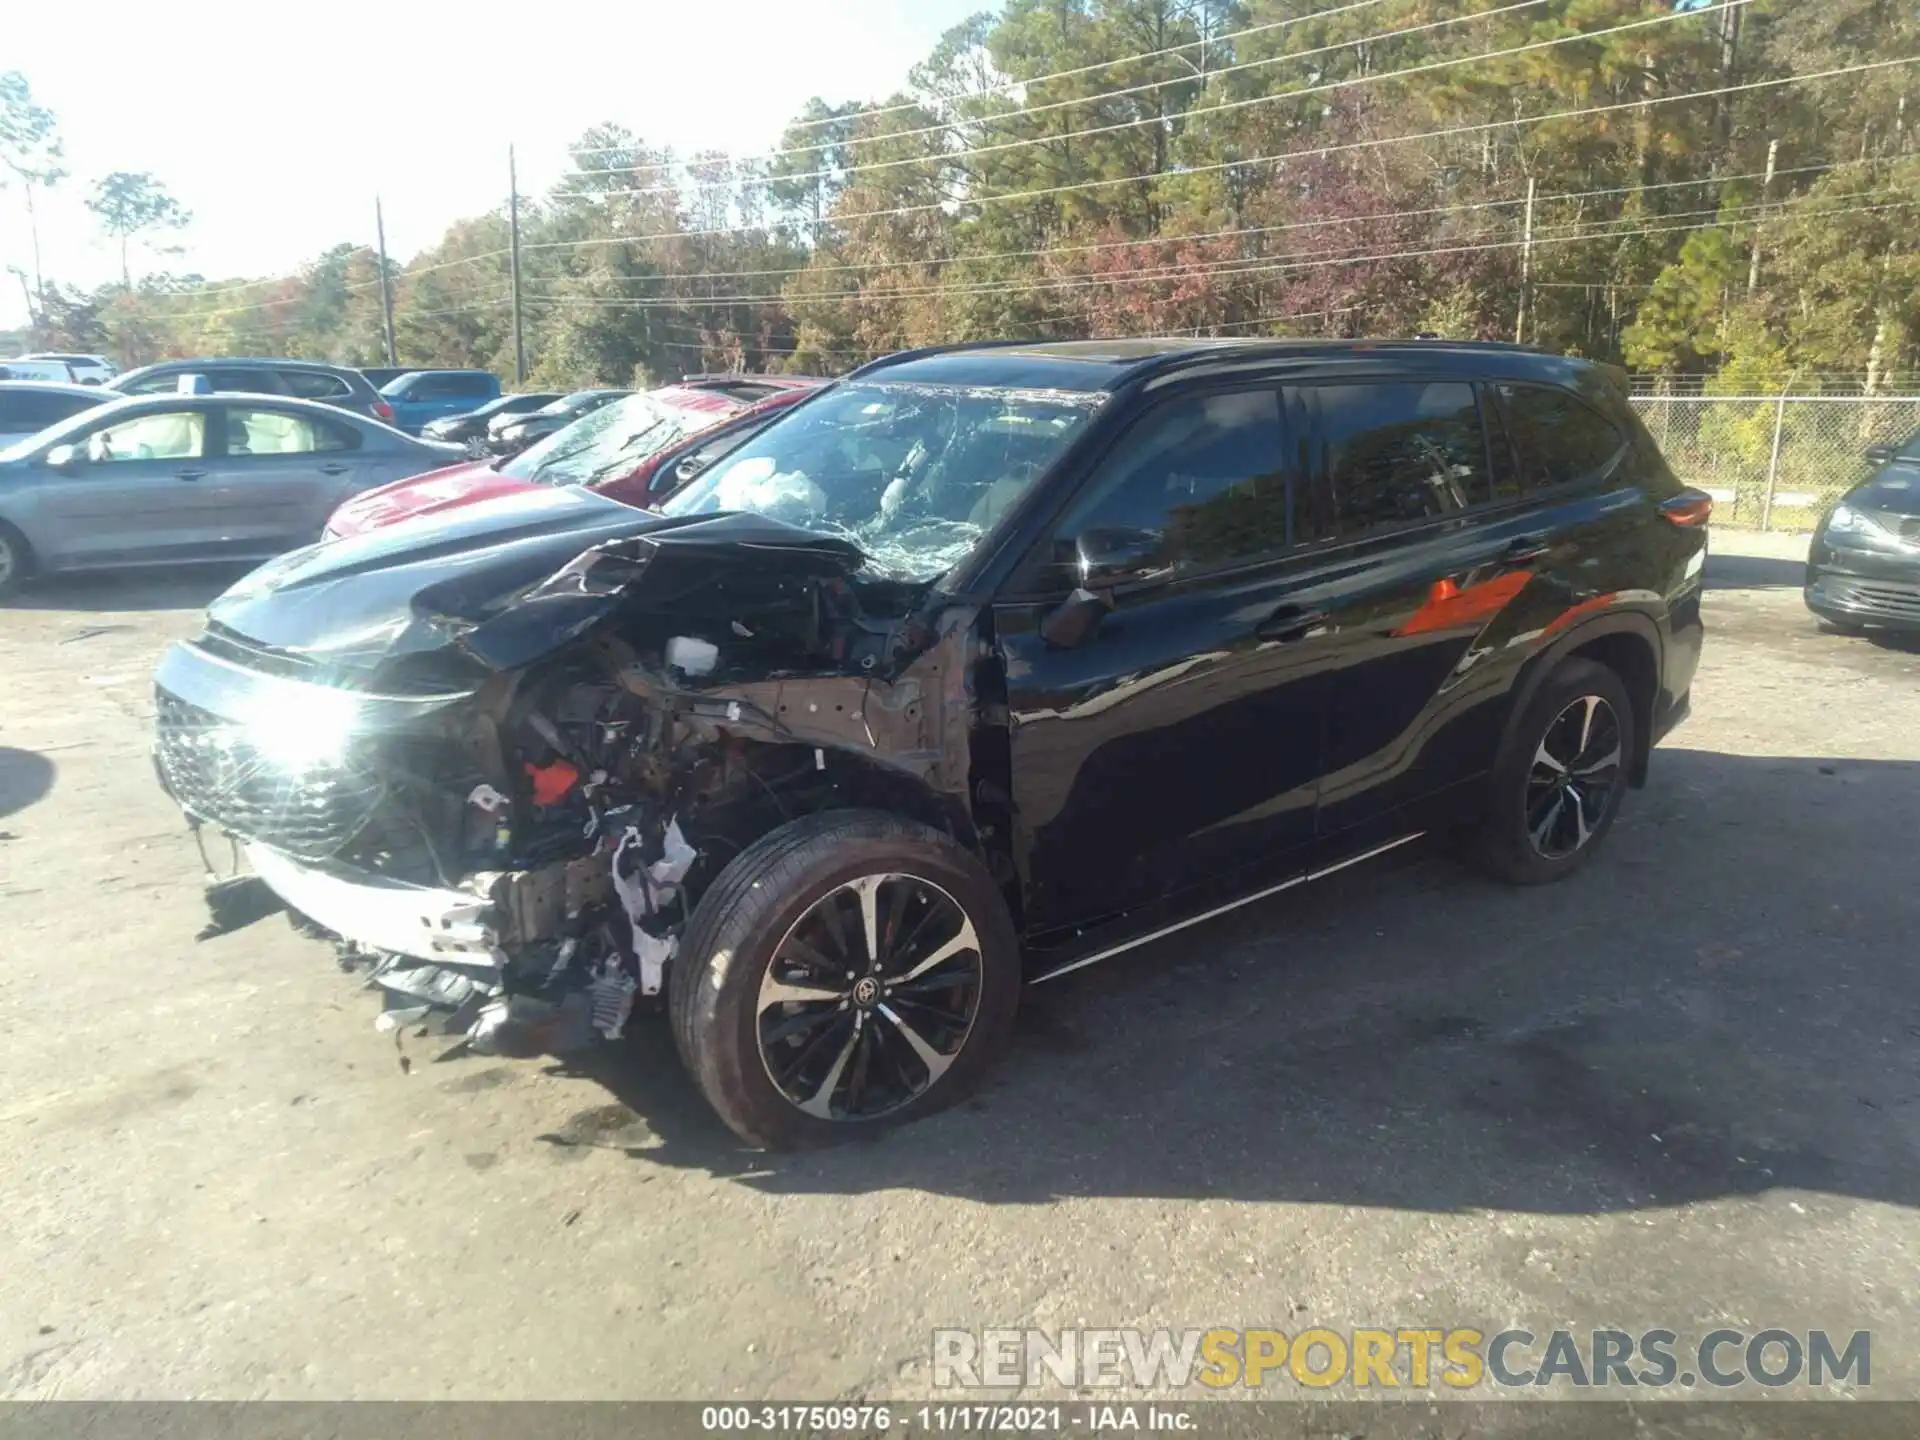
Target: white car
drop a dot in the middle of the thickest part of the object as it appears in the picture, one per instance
(87, 369)
(21, 368)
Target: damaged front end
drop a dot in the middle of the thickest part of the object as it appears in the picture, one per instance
(501, 775)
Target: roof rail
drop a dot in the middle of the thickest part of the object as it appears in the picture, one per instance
(900, 357)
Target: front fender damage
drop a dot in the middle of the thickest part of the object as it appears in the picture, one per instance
(659, 704)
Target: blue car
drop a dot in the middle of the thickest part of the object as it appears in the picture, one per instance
(424, 395)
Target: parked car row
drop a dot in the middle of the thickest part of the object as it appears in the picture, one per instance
(238, 458)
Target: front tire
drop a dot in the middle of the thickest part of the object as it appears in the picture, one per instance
(1558, 785)
(848, 972)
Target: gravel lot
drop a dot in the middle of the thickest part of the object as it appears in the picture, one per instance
(1682, 1090)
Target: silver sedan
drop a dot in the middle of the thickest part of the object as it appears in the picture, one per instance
(170, 479)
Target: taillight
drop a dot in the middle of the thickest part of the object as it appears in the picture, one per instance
(383, 410)
(1691, 508)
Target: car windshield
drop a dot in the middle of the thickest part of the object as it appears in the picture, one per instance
(1911, 450)
(912, 474)
(605, 442)
(567, 404)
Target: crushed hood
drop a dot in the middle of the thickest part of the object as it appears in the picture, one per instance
(506, 580)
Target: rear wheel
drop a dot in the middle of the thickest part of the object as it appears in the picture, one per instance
(1558, 786)
(16, 559)
(848, 972)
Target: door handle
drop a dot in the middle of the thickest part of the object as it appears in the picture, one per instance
(1290, 623)
(334, 469)
(189, 474)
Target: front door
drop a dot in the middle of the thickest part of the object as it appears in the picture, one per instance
(1177, 745)
(136, 490)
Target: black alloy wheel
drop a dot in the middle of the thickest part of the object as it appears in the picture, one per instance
(1560, 778)
(847, 972)
(1576, 770)
(869, 997)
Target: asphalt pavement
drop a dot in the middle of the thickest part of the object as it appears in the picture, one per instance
(1681, 1090)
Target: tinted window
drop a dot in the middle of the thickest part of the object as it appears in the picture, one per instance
(243, 382)
(1401, 451)
(314, 385)
(1208, 475)
(28, 410)
(277, 432)
(152, 385)
(169, 435)
(478, 385)
(1558, 438)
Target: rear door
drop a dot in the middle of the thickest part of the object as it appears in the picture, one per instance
(136, 492)
(1438, 557)
(1178, 744)
(282, 473)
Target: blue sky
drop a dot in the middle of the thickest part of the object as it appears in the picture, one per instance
(277, 131)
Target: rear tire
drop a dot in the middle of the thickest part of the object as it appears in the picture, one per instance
(793, 1029)
(1557, 786)
(16, 559)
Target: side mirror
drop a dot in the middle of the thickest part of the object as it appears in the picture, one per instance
(1117, 555)
(1880, 454)
(64, 458)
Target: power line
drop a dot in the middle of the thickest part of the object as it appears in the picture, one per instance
(1240, 232)
(1232, 268)
(1427, 67)
(1009, 85)
(1105, 95)
(1317, 152)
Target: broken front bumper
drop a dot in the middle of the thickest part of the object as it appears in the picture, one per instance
(378, 914)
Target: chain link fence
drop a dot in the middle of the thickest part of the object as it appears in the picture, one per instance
(1775, 462)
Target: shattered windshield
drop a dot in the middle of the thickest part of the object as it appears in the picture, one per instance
(605, 442)
(912, 474)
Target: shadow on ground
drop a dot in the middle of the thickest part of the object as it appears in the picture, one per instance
(25, 777)
(1722, 1005)
(186, 587)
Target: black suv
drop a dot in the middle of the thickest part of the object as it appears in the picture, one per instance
(333, 385)
(980, 666)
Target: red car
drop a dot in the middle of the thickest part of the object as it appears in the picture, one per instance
(622, 450)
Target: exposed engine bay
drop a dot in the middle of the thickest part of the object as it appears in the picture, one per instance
(510, 849)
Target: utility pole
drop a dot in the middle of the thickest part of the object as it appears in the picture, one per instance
(1766, 198)
(513, 221)
(1723, 104)
(1526, 270)
(386, 280)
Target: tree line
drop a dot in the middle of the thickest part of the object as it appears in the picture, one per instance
(1723, 190)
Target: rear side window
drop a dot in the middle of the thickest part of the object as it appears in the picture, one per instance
(1400, 451)
(476, 385)
(315, 385)
(1207, 475)
(1558, 438)
(276, 432)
